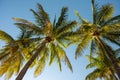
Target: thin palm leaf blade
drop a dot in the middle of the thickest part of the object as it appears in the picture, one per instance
(68, 63)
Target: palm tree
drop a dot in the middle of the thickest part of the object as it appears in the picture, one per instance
(104, 28)
(103, 69)
(53, 38)
(13, 53)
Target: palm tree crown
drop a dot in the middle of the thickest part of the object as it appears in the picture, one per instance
(103, 29)
(53, 37)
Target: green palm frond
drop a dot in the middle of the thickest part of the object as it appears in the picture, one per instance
(52, 53)
(41, 16)
(63, 43)
(59, 62)
(112, 21)
(5, 36)
(82, 45)
(91, 65)
(95, 9)
(93, 48)
(63, 17)
(82, 20)
(41, 12)
(60, 55)
(93, 75)
(112, 39)
(42, 62)
(68, 63)
(105, 13)
(54, 22)
(24, 33)
(70, 37)
(40, 66)
(38, 19)
(111, 28)
(63, 57)
(67, 28)
(27, 25)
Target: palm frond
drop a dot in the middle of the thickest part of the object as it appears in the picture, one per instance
(52, 53)
(4, 68)
(63, 17)
(59, 62)
(112, 39)
(42, 62)
(82, 21)
(60, 55)
(30, 28)
(70, 37)
(68, 63)
(24, 33)
(105, 13)
(82, 45)
(68, 27)
(62, 42)
(38, 19)
(40, 66)
(5, 36)
(93, 48)
(3, 54)
(112, 21)
(93, 75)
(91, 65)
(95, 9)
(54, 22)
(17, 64)
(43, 15)
(9, 73)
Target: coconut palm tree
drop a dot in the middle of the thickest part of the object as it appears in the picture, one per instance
(54, 36)
(104, 28)
(13, 53)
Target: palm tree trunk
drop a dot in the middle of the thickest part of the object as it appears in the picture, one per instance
(27, 65)
(110, 56)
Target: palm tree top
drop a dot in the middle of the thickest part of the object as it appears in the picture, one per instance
(54, 36)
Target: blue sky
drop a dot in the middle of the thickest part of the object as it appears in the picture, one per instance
(21, 9)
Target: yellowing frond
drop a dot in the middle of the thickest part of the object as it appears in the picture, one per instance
(9, 73)
(6, 37)
(3, 68)
(17, 64)
(40, 66)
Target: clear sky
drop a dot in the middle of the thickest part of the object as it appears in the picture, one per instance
(21, 9)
